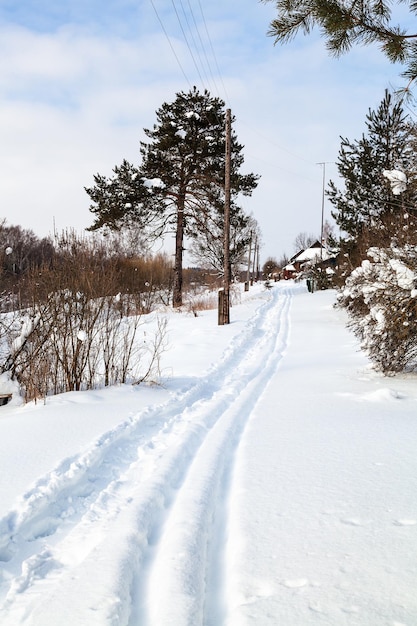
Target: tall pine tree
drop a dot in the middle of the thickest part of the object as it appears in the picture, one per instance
(366, 210)
(180, 182)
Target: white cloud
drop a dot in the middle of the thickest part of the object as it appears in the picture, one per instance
(74, 102)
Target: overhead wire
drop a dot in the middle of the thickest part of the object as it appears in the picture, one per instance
(169, 41)
(268, 139)
(186, 41)
(264, 137)
(199, 49)
(185, 27)
(212, 50)
(213, 54)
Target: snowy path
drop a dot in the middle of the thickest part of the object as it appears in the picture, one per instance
(164, 473)
(279, 487)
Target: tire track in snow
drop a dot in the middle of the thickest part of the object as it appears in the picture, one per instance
(151, 452)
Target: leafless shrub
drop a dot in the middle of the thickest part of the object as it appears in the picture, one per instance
(73, 343)
(88, 257)
(154, 346)
(78, 330)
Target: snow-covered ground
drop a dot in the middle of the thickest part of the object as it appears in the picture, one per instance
(271, 480)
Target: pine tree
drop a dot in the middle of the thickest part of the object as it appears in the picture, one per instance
(179, 185)
(379, 292)
(344, 23)
(366, 209)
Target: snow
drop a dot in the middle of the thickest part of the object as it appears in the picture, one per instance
(397, 179)
(27, 327)
(192, 114)
(312, 254)
(82, 335)
(153, 182)
(271, 479)
(406, 278)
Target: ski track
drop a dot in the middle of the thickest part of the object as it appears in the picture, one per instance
(167, 469)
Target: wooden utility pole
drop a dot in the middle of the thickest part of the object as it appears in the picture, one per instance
(249, 261)
(254, 266)
(323, 164)
(224, 294)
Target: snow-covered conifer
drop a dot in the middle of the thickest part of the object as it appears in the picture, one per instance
(366, 210)
(381, 299)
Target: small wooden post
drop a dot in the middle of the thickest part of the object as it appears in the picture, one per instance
(223, 307)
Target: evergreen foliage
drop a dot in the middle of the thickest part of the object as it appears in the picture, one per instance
(381, 299)
(345, 23)
(378, 253)
(366, 210)
(179, 186)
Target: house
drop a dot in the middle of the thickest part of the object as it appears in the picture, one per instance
(305, 259)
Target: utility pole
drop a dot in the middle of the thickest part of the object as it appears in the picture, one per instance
(224, 294)
(323, 164)
(249, 262)
(254, 262)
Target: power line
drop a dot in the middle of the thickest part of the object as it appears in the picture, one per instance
(187, 42)
(212, 50)
(170, 43)
(199, 49)
(185, 26)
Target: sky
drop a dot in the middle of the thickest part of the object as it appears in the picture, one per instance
(223, 496)
(81, 79)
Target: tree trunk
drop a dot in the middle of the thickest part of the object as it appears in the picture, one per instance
(179, 239)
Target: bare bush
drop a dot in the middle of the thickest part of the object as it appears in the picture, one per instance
(78, 330)
(73, 343)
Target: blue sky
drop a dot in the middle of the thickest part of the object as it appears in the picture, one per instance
(80, 79)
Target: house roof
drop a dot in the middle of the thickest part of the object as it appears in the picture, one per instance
(315, 251)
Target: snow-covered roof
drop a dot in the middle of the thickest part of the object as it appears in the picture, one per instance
(314, 252)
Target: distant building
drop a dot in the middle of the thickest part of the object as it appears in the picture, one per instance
(304, 260)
